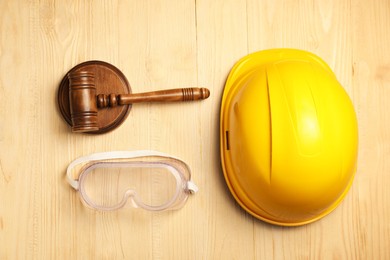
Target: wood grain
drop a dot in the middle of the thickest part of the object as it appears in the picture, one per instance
(160, 44)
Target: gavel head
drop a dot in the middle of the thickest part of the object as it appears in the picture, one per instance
(82, 100)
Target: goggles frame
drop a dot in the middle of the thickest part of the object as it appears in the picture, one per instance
(184, 185)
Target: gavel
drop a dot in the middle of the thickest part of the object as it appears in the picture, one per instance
(84, 101)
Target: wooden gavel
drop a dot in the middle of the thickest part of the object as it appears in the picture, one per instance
(84, 102)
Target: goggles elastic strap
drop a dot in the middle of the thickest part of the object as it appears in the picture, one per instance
(192, 187)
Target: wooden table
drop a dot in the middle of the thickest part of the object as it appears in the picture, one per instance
(162, 44)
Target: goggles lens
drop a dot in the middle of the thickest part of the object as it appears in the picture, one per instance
(149, 181)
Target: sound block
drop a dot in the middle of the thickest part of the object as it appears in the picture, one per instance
(108, 79)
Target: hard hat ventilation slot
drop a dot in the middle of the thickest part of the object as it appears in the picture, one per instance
(227, 140)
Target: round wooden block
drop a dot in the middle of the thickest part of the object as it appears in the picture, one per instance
(108, 80)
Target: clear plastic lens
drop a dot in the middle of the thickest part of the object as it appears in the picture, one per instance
(115, 185)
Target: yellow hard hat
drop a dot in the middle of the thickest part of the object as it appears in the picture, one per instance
(288, 137)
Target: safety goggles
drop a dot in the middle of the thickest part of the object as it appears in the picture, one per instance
(141, 179)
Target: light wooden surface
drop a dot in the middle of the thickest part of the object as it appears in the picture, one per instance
(162, 44)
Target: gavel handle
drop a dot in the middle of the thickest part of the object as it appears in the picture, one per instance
(169, 95)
